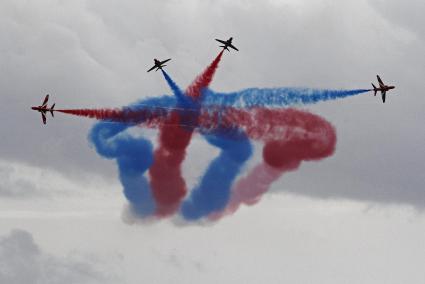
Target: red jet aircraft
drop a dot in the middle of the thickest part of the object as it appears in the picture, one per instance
(382, 87)
(43, 109)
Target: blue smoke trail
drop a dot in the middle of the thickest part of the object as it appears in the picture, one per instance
(274, 97)
(133, 156)
(213, 192)
(173, 86)
(182, 99)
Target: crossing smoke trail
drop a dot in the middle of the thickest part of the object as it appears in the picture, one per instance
(290, 136)
(223, 124)
(155, 108)
(301, 136)
(226, 121)
(167, 182)
(133, 154)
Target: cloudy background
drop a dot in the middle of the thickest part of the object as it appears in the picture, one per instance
(356, 217)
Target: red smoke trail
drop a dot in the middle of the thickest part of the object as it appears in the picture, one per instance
(167, 183)
(149, 117)
(204, 79)
(100, 114)
(249, 189)
(291, 136)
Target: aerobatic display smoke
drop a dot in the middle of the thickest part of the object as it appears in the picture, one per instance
(133, 156)
(168, 184)
(256, 97)
(290, 137)
(152, 178)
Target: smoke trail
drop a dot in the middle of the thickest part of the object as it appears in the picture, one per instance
(249, 189)
(301, 136)
(133, 156)
(274, 97)
(152, 110)
(149, 117)
(168, 184)
(212, 193)
(227, 121)
(203, 80)
(148, 111)
(182, 99)
(290, 135)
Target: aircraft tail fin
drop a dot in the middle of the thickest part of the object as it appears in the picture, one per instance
(374, 89)
(52, 109)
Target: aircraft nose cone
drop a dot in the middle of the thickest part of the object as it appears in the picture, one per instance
(33, 108)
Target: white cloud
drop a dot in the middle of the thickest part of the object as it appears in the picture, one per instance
(22, 181)
(22, 261)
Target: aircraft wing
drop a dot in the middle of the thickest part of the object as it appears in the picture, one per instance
(221, 41)
(43, 117)
(383, 96)
(166, 60)
(152, 68)
(45, 100)
(380, 81)
(231, 45)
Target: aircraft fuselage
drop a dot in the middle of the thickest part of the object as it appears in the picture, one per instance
(41, 109)
(386, 88)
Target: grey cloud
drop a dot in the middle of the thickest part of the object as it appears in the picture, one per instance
(96, 54)
(23, 261)
(21, 181)
(12, 184)
(402, 13)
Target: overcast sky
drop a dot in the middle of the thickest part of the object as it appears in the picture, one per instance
(355, 217)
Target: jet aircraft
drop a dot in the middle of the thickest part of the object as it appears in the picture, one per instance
(159, 64)
(382, 88)
(43, 109)
(227, 44)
